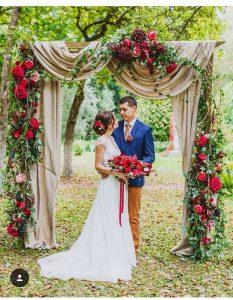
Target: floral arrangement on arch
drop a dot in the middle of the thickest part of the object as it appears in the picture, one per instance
(145, 49)
(23, 142)
(206, 229)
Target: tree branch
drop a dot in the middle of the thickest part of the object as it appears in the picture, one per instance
(188, 21)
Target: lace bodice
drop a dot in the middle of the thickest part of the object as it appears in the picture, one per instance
(111, 148)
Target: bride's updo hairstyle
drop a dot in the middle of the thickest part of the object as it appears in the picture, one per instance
(102, 121)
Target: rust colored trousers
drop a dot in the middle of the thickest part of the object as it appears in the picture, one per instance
(134, 204)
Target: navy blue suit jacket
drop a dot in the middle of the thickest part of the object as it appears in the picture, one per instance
(142, 145)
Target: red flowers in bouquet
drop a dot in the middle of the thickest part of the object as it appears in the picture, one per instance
(130, 165)
(133, 167)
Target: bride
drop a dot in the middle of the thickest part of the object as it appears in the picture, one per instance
(105, 250)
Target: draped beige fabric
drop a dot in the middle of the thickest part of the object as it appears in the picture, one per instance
(45, 176)
(182, 86)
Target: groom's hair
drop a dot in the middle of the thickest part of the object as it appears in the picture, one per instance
(131, 101)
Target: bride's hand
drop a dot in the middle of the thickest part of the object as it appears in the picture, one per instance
(122, 176)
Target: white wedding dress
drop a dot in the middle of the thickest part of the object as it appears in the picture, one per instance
(105, 250)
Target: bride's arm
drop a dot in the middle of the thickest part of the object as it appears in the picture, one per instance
(99, 154)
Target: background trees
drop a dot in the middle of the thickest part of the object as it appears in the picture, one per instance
(92, 23)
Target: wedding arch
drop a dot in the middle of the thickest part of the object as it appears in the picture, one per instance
(183, 86)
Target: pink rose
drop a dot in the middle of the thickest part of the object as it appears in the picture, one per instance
(136, 51)
(210, 224)
(35, 76)
(213, 201)
(127, 42)
(152, 35)
(20, 178)
(198, 209)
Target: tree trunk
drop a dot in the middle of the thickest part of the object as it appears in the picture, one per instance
(70, 127)
(4, 88)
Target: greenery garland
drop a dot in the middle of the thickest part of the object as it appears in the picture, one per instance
(24, 145)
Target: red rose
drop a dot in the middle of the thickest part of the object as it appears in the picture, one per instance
(198, 209)
(98, 123)
(27, 212)
(29, 134)
(17, 72)
(28, 64)
(152, 35)
(202, 156)
(206, 240)
(203, 218)
(215, 184)
(136, 52)
(170, 68)
(23, 82)
(20, 204)
(145, 45)
(23, 114)
(150, 60)
(16, 134)
(20, 92)
(144, 55)
(201, 176)
(202, 140)
(12, 231)
(34, 123)
(127, 42)
(18, 220)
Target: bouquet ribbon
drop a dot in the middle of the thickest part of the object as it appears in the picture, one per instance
(121, 200)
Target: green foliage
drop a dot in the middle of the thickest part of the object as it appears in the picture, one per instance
(77, 150)
(227, 179)
(156, 113)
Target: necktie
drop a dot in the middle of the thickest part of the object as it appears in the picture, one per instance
(127, 129)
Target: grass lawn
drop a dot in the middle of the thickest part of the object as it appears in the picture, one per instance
(159, 273)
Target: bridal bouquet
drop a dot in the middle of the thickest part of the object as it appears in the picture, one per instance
(131, 166)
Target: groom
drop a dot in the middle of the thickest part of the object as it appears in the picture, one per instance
(134, 138)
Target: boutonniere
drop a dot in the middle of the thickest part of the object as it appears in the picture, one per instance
(129, 138)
